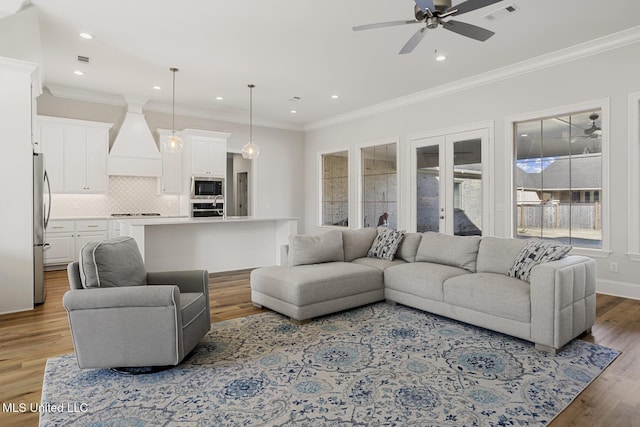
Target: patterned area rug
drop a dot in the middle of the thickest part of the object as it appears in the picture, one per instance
(378, 365)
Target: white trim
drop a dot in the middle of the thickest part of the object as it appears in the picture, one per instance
(618, 289)
(604, 106)
(159, 107)
(573, 53)
(358, 176)
(319, 177)
(488, 152)
(633, 227)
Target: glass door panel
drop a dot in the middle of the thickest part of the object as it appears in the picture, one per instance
(467, 187)
(428, 188)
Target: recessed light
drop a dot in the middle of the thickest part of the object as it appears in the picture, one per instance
(293, 111)
(441, 58)
(219, 98)
(78, 73)
(157, 87)
(86, 36)
(334, 97)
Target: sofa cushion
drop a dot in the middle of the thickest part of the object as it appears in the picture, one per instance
(497, 255)
(386, 243)
(310, 284)
(357, 243)
(112, 263)
(490, 293)
(409, 247)
(421, 279)
(306, 249)
(536, 252)
(380, 264)
(456, 251)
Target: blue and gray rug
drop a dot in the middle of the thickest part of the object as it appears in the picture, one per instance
(378, 365)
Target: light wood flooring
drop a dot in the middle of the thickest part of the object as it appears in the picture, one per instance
(27, 339)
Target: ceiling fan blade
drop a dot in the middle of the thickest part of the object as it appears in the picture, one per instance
(470, 5)
(425, 4)
(383, 24)
(468, 30)
(413, 41)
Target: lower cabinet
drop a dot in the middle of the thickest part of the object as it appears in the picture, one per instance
(65, 238)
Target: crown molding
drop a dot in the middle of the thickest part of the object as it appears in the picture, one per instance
(159, 107)
(573, 53)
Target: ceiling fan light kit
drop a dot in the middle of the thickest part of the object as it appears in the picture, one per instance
(435, 13)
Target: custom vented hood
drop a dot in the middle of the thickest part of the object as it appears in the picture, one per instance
(134, 152)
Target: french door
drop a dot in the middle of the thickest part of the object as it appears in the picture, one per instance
(449, 183)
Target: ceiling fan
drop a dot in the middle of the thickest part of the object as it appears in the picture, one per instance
(432, 13)
(594, 131)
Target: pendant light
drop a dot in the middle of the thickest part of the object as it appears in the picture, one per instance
(173, 143)
(250, 150)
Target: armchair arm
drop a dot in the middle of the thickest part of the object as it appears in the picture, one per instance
(130, 296)
(563, 300)
(187, 280)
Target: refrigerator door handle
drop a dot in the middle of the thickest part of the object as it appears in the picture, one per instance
(46, 219)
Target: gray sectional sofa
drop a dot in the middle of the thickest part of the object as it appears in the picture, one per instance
(470, 279)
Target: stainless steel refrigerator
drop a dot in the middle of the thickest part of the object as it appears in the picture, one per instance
(41, 214)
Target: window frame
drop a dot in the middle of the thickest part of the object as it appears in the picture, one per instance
(358, 174)
(510, 219)
(633, 227)
(320, 159)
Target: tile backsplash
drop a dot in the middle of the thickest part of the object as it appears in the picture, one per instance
(127, 194)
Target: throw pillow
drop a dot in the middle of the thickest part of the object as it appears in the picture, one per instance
(536, 252)
(306, 249)
(112, 263)
(386, 243)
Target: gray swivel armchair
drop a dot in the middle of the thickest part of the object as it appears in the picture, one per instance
(123, 317)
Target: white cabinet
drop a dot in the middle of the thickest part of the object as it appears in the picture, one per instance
(75, 153)
(207, 152)
(65, 238)
(172, 180)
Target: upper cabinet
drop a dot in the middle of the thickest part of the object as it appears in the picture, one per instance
(75, 153)
(207, 152)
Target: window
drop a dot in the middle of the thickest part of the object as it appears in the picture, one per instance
(335, 189)
(559, 166)
(379, 186)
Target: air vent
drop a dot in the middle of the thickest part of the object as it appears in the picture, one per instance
(503, 12)
(83, 59)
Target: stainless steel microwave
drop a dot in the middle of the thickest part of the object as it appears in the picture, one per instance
(204, 187)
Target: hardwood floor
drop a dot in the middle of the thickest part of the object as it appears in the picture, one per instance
(27, 339)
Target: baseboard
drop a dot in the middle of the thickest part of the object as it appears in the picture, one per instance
(619, 289)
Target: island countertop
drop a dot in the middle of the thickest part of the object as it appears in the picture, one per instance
(214, 244)
(189, 220)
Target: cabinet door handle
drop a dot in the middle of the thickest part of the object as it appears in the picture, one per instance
(57, 226)
(92, 226)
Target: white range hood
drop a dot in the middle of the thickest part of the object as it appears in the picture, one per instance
(134, 152)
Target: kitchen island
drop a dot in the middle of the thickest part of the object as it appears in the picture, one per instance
(215, 244)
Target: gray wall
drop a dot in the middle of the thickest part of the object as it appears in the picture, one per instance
(611, 74)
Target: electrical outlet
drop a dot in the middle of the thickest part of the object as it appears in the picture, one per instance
(613, 267)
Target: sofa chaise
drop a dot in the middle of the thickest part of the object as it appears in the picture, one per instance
(525, 288)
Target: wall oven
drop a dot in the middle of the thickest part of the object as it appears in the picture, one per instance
(207, 197)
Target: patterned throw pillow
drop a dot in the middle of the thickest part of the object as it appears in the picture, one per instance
(536, 252)
(386, 243)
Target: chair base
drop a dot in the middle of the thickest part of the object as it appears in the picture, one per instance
(142, 370)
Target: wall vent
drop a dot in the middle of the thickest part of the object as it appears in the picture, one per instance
(503, 12)
(83, 59)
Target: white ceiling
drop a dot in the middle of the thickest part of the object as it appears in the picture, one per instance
(290, 48)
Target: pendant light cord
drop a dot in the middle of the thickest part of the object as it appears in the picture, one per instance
(251, 112)
(173, 103)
